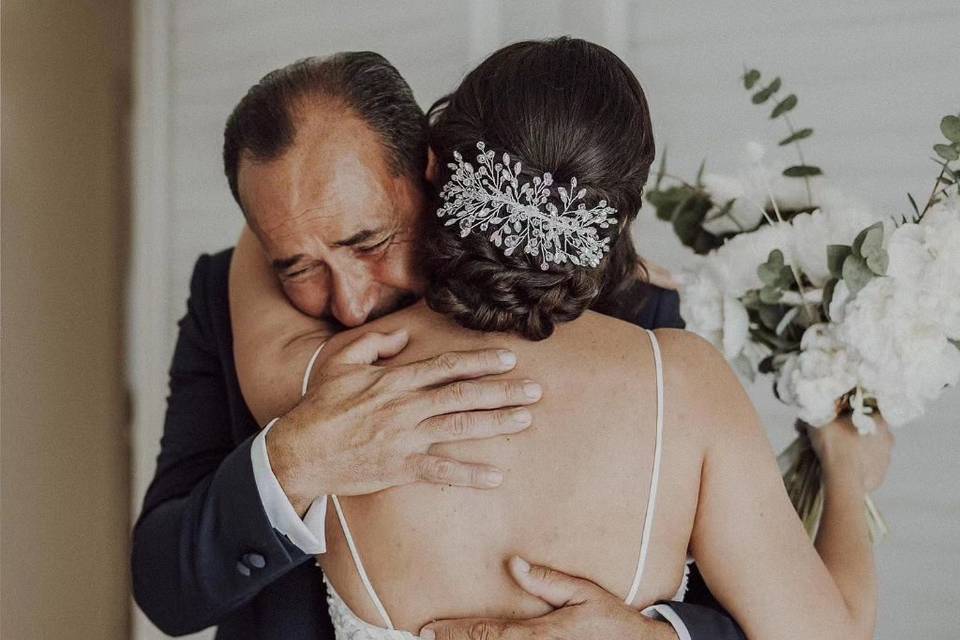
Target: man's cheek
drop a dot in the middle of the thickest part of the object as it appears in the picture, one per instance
(309, 297)
(400, 271)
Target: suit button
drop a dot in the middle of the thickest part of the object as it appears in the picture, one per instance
(243, 569)
(255, 560)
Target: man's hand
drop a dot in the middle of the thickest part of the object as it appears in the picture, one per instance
(362, 427)
(584, 611)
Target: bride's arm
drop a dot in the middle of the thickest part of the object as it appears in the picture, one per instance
(272, 339)
(747, 540)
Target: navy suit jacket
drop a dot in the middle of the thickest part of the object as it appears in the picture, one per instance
(204, 552)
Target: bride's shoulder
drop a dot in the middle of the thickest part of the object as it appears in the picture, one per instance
(697, 375)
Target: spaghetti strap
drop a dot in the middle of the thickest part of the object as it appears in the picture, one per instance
(309, 369)
(342, 518)
(387, 622)
(654, 477)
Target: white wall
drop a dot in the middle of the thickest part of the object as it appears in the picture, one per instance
(873, 79)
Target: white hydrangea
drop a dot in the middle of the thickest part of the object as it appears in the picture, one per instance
(817, 376)
(904, 359)
(888, 344)
(837, 221)
(709, 312)
(750, 189)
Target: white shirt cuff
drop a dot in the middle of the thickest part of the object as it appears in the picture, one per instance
(308, 533)
(667, 614)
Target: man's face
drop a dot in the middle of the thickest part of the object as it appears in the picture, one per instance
(338, 226)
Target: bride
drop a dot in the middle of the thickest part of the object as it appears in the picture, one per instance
(644, 451)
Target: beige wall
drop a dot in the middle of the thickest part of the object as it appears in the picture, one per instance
(63, 442)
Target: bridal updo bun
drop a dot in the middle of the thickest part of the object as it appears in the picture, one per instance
(566, 107)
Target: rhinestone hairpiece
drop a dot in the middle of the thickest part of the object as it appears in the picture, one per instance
(491, 195)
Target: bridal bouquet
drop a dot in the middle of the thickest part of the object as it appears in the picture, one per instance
(847, 311)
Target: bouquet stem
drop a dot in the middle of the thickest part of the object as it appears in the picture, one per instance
(802, 477)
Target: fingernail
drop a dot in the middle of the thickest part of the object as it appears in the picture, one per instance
(522, 564)
(507, 358)
(495, 478)
(522, 417)
(427, 634)
(533, 390)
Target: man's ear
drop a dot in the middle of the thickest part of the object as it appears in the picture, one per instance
(432, 173)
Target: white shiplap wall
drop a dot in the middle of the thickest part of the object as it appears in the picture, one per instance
(873, 79)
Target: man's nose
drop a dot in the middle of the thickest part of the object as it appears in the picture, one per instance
(352, 299)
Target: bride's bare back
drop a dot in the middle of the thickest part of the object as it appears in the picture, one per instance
(575, 491)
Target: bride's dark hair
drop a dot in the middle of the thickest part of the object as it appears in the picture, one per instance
(564, 106)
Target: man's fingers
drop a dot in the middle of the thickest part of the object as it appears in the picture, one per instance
(456, 365)
(440, 470)
(371, 347)
(475, 395)
(553, 587)
(474, 425)
(471, 629)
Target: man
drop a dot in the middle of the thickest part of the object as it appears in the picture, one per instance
(328, 161)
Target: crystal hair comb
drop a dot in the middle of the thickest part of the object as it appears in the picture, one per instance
(491, 195)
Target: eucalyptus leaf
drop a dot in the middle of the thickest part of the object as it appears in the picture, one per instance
(878, 262)
(796, 135)
(751, 299)
(836, 254)
(950, 126)
(947, 151)
(771, 314)
(750, 78)
(869, 240)
(828, 290)
(770, 295)
(802, 171)
(769, 271)
(686, 223)
(784, 106)
(764, 94)
(785, 278)
(873, 242)
(856, 273)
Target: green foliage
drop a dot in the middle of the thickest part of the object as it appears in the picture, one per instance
(764, 94)
(782, 109)
(836, 254)
(686, 206)
(784, 106)
(948, 152)
(856, 273)
(797, 135)
(861, 262)
(950, 127)
(802, 171)
(828, 290)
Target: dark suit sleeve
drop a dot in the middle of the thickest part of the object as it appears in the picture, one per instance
(651, 307)
(203, 544)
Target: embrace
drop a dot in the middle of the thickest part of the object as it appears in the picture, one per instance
(434, 391)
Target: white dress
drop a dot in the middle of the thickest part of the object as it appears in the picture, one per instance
(350, 627)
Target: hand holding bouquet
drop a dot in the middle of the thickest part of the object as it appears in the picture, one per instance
(847, 312)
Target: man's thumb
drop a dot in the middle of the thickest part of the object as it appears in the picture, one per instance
(555, 588)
